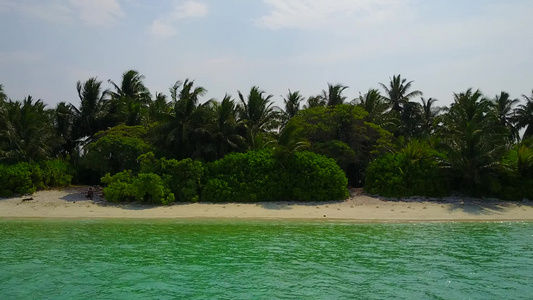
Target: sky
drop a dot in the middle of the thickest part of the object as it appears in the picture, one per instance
(443, 46)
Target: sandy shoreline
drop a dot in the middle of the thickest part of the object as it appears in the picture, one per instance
(71, 203)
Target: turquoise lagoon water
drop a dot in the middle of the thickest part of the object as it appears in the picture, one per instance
(169, 259)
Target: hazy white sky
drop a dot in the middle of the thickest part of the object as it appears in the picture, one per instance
(445, 46)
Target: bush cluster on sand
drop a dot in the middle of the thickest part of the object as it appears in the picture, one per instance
(25, 178)
(240, 177)
(262, 176)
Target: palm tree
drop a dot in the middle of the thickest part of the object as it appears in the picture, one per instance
(429, 116)
(3, 96)
(131, 96)
(523, 116)
(64, 123)
(3, 99)
(223, 129)
(473, 143)
(410, 120)
(26, 132)
(184, 123)
(524, 162)
(257, 113)
(502, 107)
(333, 96)
(131, 86)
(186, 101)
(315, 101)
(398, 92)
(290, 140)
(91, 116)
(374, 104)
(157, 108)
(292, 105)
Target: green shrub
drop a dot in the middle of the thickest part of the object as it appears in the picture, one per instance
(245, 177)
(341, 132)
(516, 176)
(396, 175)
(116, 149)
(313, 177)
(169, 199)
(56, 173)
(145, 187)
(149, 188)
(341, 152)
(183, 178)
(259, 176)
(513, 187)
(119, 187)
(120, 192)
(149, 163)
(16, 180)
(25, 178)
(219, 190)
(239, 177)
(38, 176)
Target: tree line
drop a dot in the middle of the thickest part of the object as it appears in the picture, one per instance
(477, 141)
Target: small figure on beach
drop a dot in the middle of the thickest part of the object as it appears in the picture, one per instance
(90, 193)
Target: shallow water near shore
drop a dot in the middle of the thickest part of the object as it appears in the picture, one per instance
(197, 259)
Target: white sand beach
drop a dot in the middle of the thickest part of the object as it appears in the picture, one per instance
(71, 203)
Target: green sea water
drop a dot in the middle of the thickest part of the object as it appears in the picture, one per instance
(169, 259)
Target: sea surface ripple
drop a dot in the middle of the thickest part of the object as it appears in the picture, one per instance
(169, 259)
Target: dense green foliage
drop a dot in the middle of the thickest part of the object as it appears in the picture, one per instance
(25, 178)
(340, 151)
(116, 149)
(183, 178)
(474, 143)
(341, 132)
(477, 146)
(26, 131)
(17, 179)
(145, 187)
(239, 177)
(119, 186)
(262, 176)
(55, 173)
(516, 178)
(245, 177)
(398, 175)
(160, 181)
(313, 177)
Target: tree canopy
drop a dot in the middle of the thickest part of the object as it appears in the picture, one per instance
(482, 145)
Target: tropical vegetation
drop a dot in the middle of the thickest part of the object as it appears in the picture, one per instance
(159, 148)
